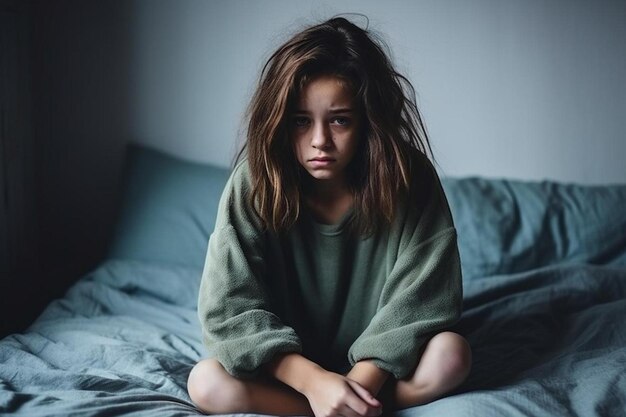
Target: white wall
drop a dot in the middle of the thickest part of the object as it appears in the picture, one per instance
(519, 89)
(509, 88)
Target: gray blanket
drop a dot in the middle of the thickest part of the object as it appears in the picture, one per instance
(547, 342)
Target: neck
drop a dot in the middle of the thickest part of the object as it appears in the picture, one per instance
(327, 190)
(328, 200)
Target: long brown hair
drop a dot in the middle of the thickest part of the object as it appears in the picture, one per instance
(392, 126)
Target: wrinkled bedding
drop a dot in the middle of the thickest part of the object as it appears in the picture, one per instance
(547, 342)
(544, 276)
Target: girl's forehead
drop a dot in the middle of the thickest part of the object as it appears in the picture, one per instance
(308, 79)
(326, 91)
(325, 86)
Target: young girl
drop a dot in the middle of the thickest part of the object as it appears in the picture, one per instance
(333, 270)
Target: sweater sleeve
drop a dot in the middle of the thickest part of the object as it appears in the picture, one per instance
(423, 292)
(234, 306)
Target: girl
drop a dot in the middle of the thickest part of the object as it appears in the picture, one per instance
(333, 269)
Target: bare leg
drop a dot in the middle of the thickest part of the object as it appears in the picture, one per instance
(444, 365)
(215, 391)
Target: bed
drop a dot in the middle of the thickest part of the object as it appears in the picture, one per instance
(544, 274)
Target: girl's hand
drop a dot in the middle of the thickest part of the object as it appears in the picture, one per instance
(332, 395)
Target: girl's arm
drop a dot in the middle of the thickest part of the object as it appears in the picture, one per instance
(328, 393)
(368, 375)
(234, 307)
(422, 294)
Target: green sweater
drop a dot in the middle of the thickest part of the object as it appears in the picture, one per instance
(325, 292)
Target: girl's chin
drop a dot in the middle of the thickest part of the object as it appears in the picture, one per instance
(326, 178)
(323, 175)
(332, 173)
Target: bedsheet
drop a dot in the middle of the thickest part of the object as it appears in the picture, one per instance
(547, 342)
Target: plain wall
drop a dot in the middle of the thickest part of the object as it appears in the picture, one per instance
(518, 89)
(79, 61)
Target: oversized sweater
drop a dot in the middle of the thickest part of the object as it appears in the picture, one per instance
(327, 292)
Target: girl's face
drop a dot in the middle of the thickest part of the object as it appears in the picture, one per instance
(324, 128)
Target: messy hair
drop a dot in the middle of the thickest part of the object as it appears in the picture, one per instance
(391, 127)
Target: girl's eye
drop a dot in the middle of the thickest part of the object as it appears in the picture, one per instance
(300, 121)
(341, 121)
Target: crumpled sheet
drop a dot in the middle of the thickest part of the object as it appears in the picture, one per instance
(547, 342)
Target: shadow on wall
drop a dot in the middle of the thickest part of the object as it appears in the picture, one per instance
(79, 62)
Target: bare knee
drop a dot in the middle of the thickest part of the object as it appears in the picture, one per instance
(454, 353)
(444, 365)
(213, 390)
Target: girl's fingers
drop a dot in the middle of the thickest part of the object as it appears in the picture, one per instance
(364, 394)
(362, 410)
(347, 411)
(360, 406)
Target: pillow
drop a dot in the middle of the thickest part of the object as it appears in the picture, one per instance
(509, 226)
(168, 209)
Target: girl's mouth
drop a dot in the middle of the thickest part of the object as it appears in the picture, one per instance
(321, 161)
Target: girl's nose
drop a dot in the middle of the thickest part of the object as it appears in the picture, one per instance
(322, 138)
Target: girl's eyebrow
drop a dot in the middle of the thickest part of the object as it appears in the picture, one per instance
(333, 111)
(341, 110)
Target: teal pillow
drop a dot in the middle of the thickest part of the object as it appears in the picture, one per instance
(168, 208)
(507, 226)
